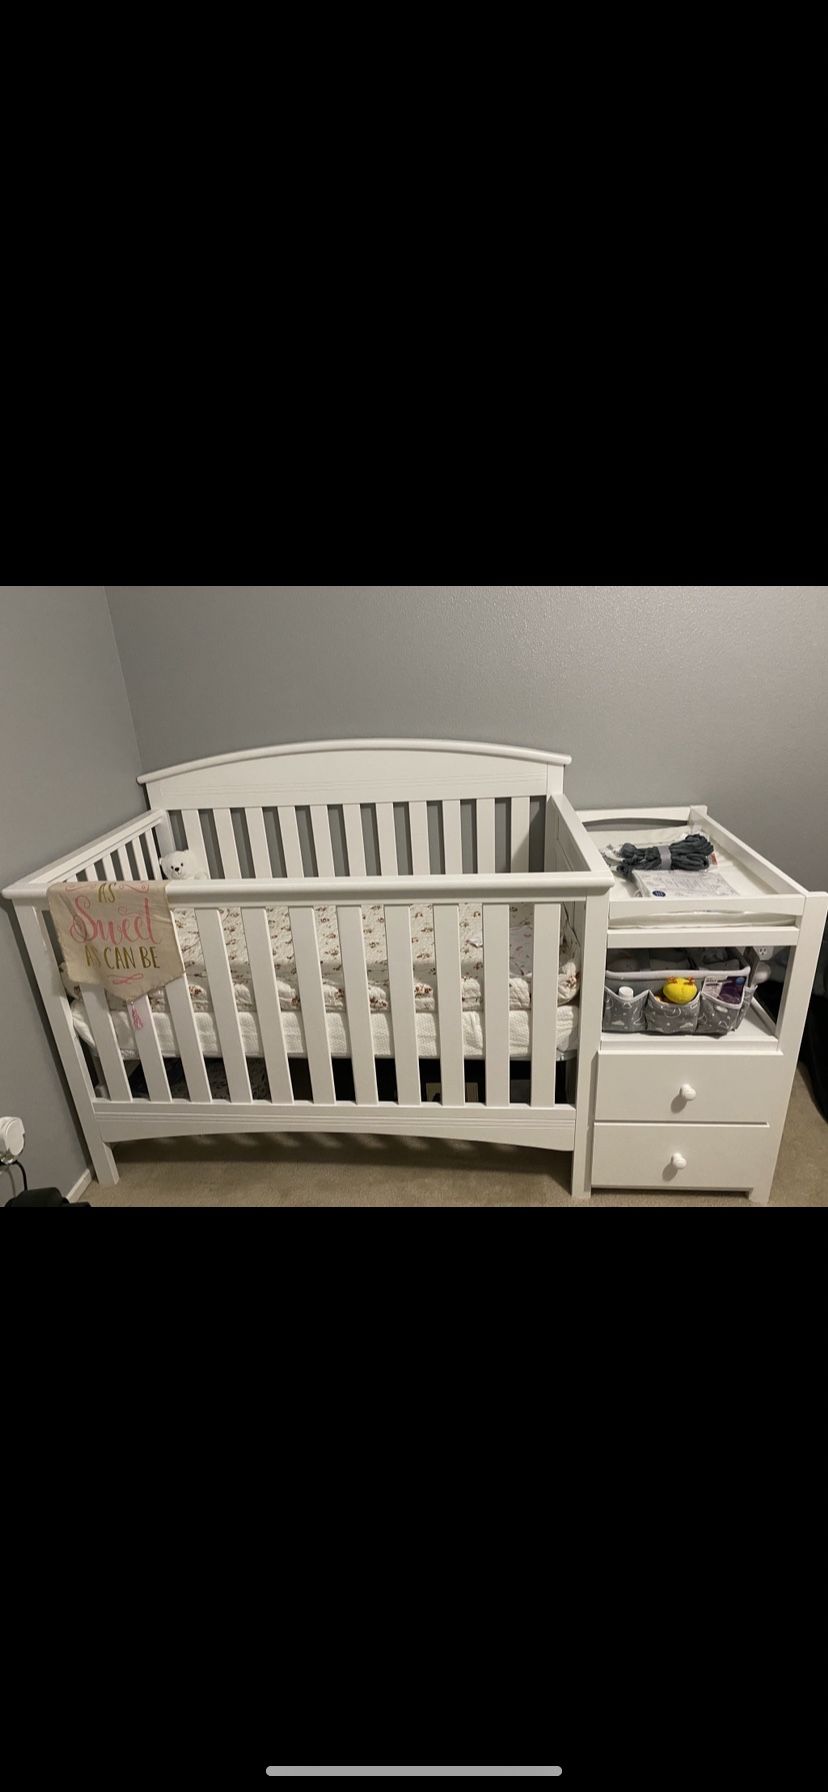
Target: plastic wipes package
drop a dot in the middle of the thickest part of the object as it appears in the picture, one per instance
(682, 883)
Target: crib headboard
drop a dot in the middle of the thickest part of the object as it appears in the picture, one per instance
(356, 771)
(320, 777)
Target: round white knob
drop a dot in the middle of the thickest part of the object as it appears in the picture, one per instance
(687, 1092)
(678, 1162)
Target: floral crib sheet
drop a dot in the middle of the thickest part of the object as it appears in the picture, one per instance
(376, 958)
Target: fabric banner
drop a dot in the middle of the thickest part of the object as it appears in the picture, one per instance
(121, 937)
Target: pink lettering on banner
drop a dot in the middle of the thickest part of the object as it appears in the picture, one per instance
(126, 931)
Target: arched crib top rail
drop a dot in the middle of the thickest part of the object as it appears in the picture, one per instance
(341, 771)
(486, 749)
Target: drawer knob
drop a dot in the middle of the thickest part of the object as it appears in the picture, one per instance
(678, 1162)
(687, 1092)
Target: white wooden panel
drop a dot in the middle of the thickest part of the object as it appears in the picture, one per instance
(314, 1017)
(227, 843)
(520, 833)
(149, 1051)
(485, 834)
(106, 1044)
(387, 836)
(689, 1086)
(291, 849)
(224, 1003)
(195, 835)
(189, 1044)
(152, 854)
(354, 839)
(450, 1003)
(266, 996)
(321, 825)
(259, 850)
(352, 942)
(719, 1157)
(496, 1001)
(545, 955)
(403, 1012)
(452, 839)
(548, 1129)
(420, 855)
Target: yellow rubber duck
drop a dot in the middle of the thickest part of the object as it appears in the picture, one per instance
(679, 989)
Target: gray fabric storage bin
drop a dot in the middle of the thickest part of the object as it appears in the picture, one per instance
(671, 1017)
(717, 1017)
(624, 1017)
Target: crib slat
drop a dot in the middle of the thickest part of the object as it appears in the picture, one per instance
(496, 1001)
(189, 1044)
(545, 1002)
(259, 849)
(266, 997)
(355, 976)
(354, 840)
(223, 999)
(452, 839)
(149, 1050)
(314, 1017)
(195, 835)
(420, 853)
(450, 1002)
(92, 873)
(103, 1032)
(520, 833)
(485, 833)
(226, 836)
(152, 854)
(403, 1012)
(110, 873)
(321, 825)
(291, 849)
(121, 876)
(387, 835)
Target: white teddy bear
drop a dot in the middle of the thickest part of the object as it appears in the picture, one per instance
(179, 865)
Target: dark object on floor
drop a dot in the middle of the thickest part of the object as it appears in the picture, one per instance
(44, 1197)
(814, 1052)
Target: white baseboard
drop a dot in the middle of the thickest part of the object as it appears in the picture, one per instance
(80, 1187)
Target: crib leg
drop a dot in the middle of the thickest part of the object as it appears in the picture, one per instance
(103, 1162)
(581, 1183)
(760, 1194)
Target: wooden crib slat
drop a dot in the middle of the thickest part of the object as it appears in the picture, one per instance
(546, 950)
(102, 1028)
(149, 1050)
(311, 996)
(355, 976)
(152, 854)
(452, 839)
(520, 833)
(450, 1002)
(321, 825)
(121, 876)
(110, 873)
(354, 839)
(92, 873)
(259, 849)
(223, 999)
(496, 1001)
(485, 833)
(387, 835)
(291, 849)
(189, 1044)
(266, 997)
(226, 836)
(420, 854)
(403, 1012)
(195, 835)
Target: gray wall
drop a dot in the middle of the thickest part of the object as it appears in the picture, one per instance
(715, 694)
(68, 762)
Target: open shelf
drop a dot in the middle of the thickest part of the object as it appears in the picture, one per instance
(754, 1031)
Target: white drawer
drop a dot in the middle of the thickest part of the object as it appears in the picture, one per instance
(689, 1086)
(717, 1157)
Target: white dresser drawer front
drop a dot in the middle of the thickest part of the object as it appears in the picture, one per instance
(689, 1086)
(676, 1157)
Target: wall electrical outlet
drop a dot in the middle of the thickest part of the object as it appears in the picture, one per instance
(12, 1136)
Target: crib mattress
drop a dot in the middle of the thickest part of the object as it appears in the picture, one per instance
(426, 992)
(428, 1033)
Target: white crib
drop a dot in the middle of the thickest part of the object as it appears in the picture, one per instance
(352, 823)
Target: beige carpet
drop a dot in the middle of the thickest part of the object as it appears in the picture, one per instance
(329, 1170)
